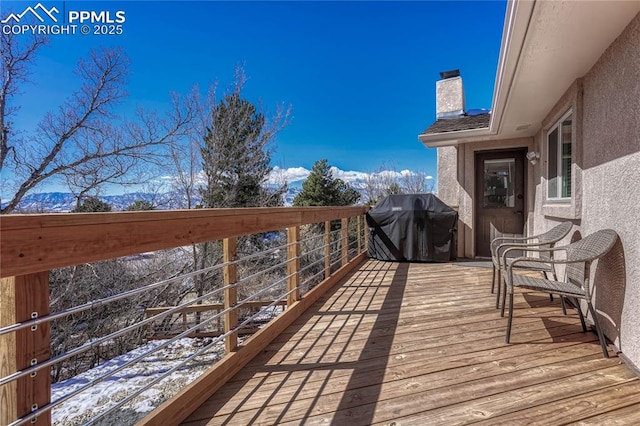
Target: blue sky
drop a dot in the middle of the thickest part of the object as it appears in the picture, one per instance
(360, 76)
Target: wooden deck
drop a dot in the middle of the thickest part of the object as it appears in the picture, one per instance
(421, 344)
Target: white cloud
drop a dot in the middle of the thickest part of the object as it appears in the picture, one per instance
(298, 174)
(292, 174)
(349, 176)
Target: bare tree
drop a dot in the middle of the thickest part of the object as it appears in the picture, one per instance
(416, 183)
(17, 56)
(186, 161)
(376, 184)
(83, 142)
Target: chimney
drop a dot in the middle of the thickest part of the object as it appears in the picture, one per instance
(449, 95)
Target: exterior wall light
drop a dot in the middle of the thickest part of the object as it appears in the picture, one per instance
(533, 157)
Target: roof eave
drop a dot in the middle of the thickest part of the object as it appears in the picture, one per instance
(516, 24)
(434, 140)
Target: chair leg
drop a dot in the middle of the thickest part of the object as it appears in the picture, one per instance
(499, 282)
(546, 277)
(564, 306)
(509, 321)
(504, 298)
(493, 279)
(603, 342)
(584, 325)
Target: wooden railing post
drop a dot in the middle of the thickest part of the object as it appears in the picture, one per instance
(23, 298)
(344, 232)
(359, 231)
(327, 249)
(230, 273)
(366, 233)
(293, 265)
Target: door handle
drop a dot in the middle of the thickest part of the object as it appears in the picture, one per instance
(518, 212)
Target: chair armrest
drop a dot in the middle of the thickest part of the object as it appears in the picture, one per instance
(514, 239)
(496, 243)
(538, 260)
(495, 251)
(533, 249)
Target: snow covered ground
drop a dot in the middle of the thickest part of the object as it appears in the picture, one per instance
(97, 399)
(80, 409)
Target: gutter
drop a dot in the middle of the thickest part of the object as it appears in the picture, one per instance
(434, 140)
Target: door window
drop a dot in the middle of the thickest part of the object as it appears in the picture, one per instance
(498, 183)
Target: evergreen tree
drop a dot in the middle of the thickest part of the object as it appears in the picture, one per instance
(236, 157)
(140, 205)
(394, 189)
(322, 189)
(92, 204)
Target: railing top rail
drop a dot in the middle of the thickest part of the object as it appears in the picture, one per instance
(40, 242)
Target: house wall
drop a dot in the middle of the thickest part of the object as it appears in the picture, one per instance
(606, 182)
(606, 188)
(448, 189)
(456, 183)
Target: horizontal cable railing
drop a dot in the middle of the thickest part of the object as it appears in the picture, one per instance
(219, 298)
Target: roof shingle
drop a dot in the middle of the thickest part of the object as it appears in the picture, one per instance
(465, 122)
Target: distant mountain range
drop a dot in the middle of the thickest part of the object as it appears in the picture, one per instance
(60, 202)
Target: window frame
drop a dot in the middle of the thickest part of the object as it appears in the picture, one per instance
(557, 126)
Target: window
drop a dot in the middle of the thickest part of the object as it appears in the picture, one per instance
(559, 139)
(498, 183)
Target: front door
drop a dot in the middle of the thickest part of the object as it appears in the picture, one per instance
(499, 197)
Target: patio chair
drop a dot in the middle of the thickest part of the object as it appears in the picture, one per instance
(576, 283)
(502, 245)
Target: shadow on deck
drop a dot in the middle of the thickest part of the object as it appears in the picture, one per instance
(400, 343)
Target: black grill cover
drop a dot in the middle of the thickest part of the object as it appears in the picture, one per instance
(412, 227)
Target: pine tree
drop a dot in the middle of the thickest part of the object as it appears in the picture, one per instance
(92, 204)
(322, 189)
(394, 189)
(140, 205)
(236, 157)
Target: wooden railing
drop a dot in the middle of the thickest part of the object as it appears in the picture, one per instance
(33, 245)
(186, 322)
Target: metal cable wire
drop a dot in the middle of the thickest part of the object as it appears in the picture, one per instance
(254, 295)
(84, 348)
(100, 379)
(183, 363)
(94, 382)
(315, 249)
(101, 302)
(104, 301)
(263, 271)
(312, 277)
(336, 262)
(79, 350)
(313, 237)
(311, 264)
(261, 253)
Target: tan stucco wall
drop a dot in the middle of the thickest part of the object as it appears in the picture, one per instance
(448, 189)
(606, 163)
(456, 183)
(447, 169)
(606, 169)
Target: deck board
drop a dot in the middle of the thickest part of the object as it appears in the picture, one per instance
(415, 344)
